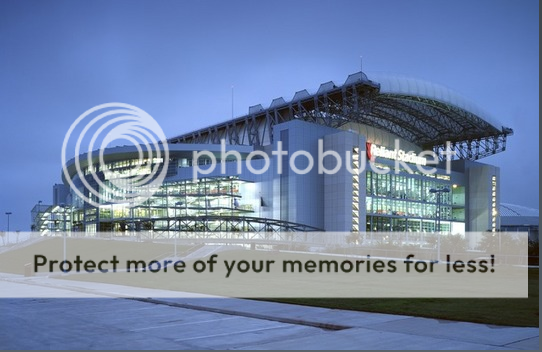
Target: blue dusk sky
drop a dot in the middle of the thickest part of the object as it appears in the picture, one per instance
(177, 60)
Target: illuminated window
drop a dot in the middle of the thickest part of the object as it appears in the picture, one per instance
(355, 190)
(493, 203)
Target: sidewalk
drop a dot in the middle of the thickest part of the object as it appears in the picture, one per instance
(217, 322)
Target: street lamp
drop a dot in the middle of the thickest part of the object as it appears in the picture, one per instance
(62, 205)
(177, 205)
(439, 192)
(8, 213)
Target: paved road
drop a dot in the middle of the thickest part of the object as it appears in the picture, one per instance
(87, 321)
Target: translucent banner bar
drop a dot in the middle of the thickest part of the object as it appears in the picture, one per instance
(267, 265)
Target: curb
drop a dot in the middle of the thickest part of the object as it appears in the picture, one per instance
(326, 326)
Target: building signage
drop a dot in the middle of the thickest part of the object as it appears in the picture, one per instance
(374, 151)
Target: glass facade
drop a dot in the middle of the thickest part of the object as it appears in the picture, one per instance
(403, 202)
(209, 197)
(394, 202)
(48, 219)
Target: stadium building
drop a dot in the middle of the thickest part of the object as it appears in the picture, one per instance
(384, 119)
(517, 218)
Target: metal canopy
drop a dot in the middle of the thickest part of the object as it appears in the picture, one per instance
(423, 113)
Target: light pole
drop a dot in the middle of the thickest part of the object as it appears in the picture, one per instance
(62, 205)
(71, 220)
(8, 213)
(132, 223)
(177, 205)
(439, 192)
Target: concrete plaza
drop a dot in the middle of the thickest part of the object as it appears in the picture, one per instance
(103, 316)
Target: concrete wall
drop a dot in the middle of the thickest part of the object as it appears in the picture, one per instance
(301, 196)
(479, 196)
(339, 208)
